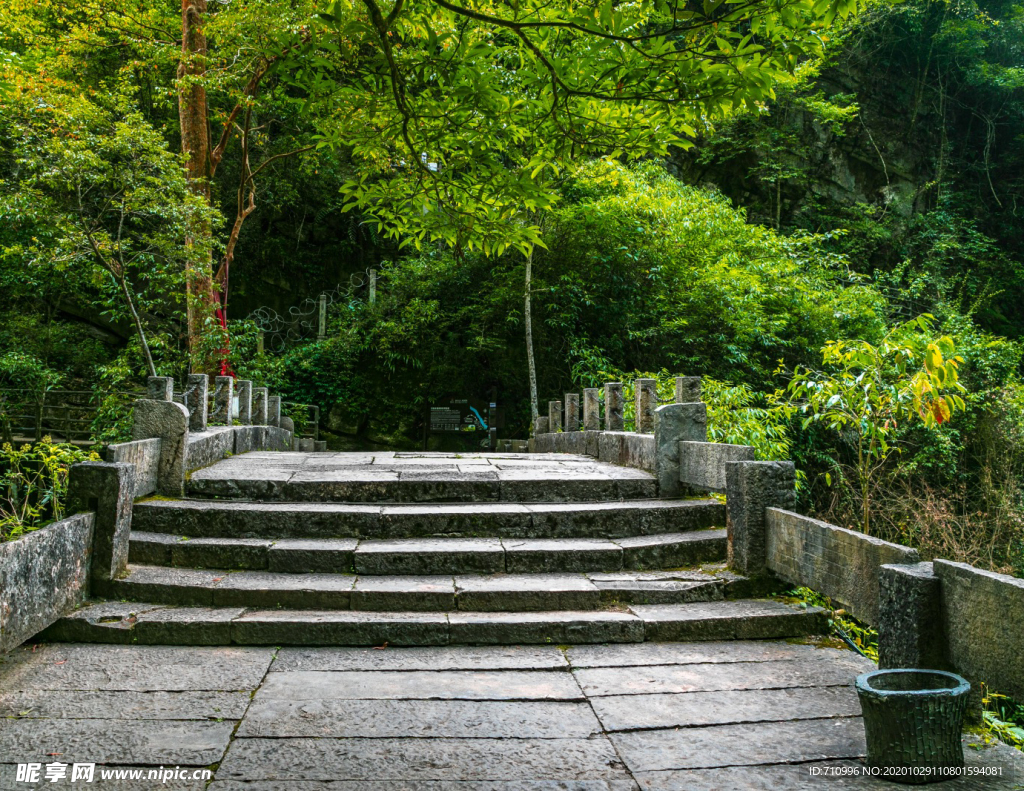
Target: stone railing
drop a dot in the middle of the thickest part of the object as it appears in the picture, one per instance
(940, 615)
(603, 435)
(49, 572)
(171, 438)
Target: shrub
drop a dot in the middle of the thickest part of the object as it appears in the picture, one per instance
(34, 483)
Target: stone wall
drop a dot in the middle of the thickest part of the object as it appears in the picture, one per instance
(839, 563)
(145, 455)
(561, 442)
(624, 448)
(206, 447)
(43, 576)
(702, 464)
(982, 616)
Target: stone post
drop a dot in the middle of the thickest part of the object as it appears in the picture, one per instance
(591, 409)
(259, 406)
(167, 421)
(750, 488)
(540, 425)
(675, 423)
(243, 387)
(910, 632)
(274, 411)
(196, 401)
(572, 411)
(160, 388)
(646, 396)
(688, 389)
(613, 406)
(108, 490)
(223, 398)
(554, 416)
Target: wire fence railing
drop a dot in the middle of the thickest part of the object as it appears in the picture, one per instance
(64, 415)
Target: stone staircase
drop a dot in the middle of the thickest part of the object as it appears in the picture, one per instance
(427, 549)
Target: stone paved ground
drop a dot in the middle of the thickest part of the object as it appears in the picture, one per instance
(692, 717)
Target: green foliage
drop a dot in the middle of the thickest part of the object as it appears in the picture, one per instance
(20, 370)
(738, 415)
(34, 483)
(867, 391)
(462, 118)
(248, 361)
(120, 384)
(656, 274)
(109, 204)
(641, 274)
(842, 624)
(1002, 718)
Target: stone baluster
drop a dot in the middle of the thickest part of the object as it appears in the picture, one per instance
(108, 490)
(750, 488)
(160, 388)
(243, 389)
(572, 411)
(591, 409)
(687, 389)
(274, 411)
(645, 393)
(196, 401)
(675, 423)
(223, 399)
(259, 406)
(613, 406)
(554, 416)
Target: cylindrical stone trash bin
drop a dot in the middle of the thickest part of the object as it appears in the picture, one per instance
(913, 720)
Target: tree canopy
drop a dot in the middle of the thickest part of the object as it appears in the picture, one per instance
(461, 116)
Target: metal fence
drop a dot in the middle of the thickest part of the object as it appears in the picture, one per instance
(65, 415)
(70, 415)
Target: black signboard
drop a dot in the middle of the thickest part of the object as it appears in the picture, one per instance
(465, 415)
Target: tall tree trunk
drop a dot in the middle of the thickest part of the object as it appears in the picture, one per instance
(195, 144)
(528, 323)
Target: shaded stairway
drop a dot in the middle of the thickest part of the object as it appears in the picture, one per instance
(427, 549)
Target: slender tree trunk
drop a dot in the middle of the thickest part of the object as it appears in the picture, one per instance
(138, 326)
(528, 323)
(116, 271)
(195, 143)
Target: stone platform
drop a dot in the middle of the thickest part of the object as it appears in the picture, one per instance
(420, 477)
(426, 549)
(735, 716)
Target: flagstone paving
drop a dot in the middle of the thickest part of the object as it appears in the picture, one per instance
(736, 716)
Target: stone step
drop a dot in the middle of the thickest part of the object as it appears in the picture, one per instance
(123, 623)
(430, 555)
(435, 593)
(232, 519)
(411, 484)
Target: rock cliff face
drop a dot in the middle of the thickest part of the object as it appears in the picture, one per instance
(877, 158)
